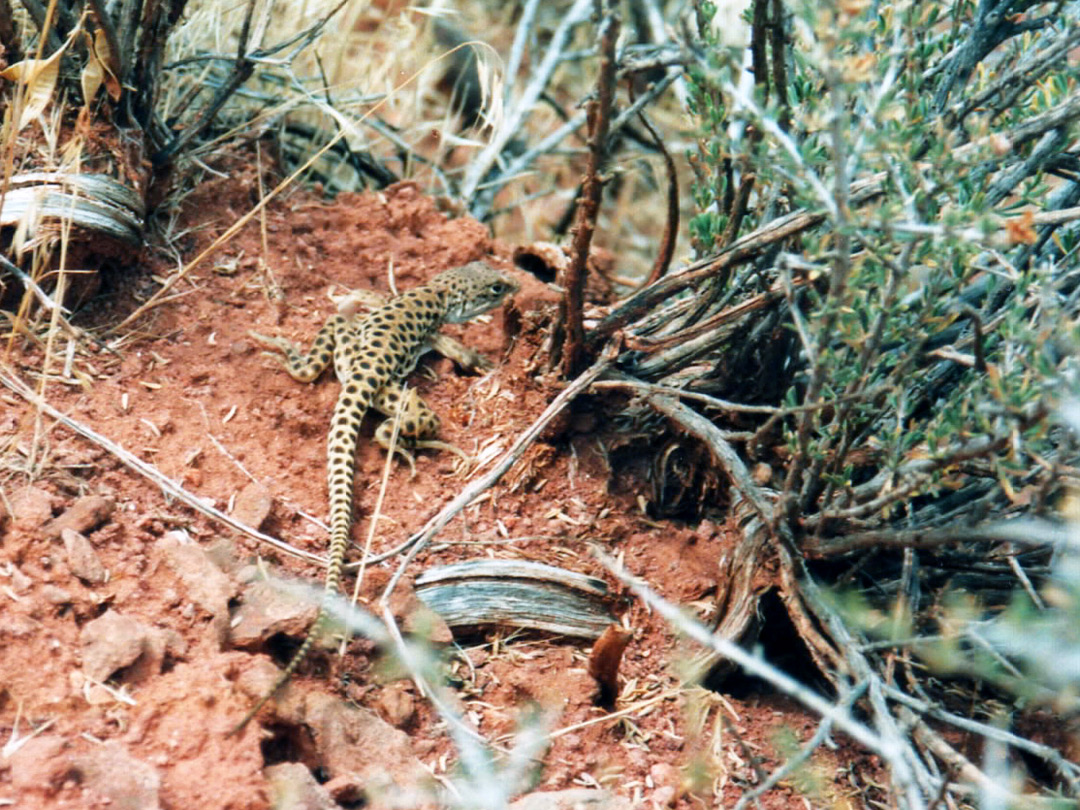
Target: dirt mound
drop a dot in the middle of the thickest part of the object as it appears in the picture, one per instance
(122, 667)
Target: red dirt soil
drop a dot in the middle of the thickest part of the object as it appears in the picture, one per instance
(192, 394)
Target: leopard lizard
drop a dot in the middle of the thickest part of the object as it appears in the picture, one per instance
(372, 356)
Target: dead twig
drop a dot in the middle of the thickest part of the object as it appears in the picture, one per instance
(516, 116)
(243, 67)
(1007, 87)
(804, 753)
(481, 209)
(31, 285)
(158, 297)
(980, 783)
(517, 49)
(999, 531)
(671, 224)
(625, 382)
(1070, 771)
(838, 714)
(911, 777)
(721, 450)
(749, 246)
(569, 322)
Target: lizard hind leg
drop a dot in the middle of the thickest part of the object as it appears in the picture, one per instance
(417, 425)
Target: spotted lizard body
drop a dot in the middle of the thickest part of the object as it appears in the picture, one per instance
(372, 356)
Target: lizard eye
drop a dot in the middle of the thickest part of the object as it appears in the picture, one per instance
(498, 288)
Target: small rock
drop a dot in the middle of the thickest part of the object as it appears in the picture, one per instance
(174, 643)
(93, 693)
(352, 739)
(397, 704)
(664, 773)
(112, 641)
(705, 530)
(572, 799)
(41, 763)
(32, 507)
(55, 595)
(292, 787)
(222, 553)
(257, 679)
(85, 515)
(253, 505)
(267, 610)
(664, 796)
(207, 585)
(82, 559)
(666, 777)
(21, 627)
(20, 582)
(125, 783)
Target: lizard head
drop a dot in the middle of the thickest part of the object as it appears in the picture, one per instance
(472, 290)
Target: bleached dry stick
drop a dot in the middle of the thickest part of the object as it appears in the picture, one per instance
(526, 103)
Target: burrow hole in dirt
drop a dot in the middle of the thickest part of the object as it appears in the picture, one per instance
(536, 266)
(780, 644)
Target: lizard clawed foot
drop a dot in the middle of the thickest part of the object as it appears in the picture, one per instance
(405, 454)
(464, 462)
(277, 344)
(462, 465)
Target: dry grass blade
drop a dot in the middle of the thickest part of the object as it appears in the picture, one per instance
(39, 77)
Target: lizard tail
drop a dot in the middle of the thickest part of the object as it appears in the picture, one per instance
(294, 664)
(341, 467)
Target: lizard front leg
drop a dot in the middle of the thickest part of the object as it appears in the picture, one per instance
(305, 367)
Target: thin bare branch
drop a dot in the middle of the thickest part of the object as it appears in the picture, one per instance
(569, 324)
(516, 116)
